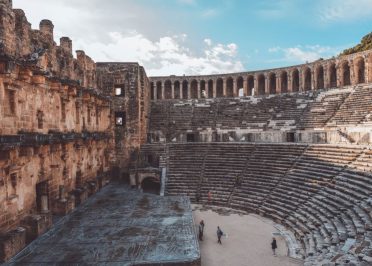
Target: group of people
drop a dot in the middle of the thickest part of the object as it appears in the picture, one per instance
(274, 246)
(201, 232)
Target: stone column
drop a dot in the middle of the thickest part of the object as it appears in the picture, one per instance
(188, 90)
(245, 86)
(199, 91)
(267, 89)
(214, 88)
(235, 88)
(181, 90)
(255, 85)
(155, 92)
(278, 85)
(172, 90)
(224, 86)
(44, 204)
(206, 90)
(289, 78)
(162, 90)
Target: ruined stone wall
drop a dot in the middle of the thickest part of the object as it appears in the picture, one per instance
(128, 86)
(56, 145)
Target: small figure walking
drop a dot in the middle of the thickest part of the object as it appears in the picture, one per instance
(209, 197)
(201, 230)
(274, 246)
(219, 235)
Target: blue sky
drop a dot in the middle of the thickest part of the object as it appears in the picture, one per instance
(205, 36)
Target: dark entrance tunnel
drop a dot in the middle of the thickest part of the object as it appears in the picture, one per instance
(151, 185)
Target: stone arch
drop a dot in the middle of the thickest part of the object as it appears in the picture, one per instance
(250, 85)
(159, 90)
(203, 91)
(332, 75)
(359, 70)
(230, 87)
(283, 82)
(185, 89)
(295, 80)
(345, 73)
(261, 84)
(194, 89)
(307, 79)
(272, 83)
(168, 89)
(319, 73)
(219, 87)
(152, 90)
(177, 90)
(210, 88)
(240, 85)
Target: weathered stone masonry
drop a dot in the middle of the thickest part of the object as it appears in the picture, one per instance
(55, 129)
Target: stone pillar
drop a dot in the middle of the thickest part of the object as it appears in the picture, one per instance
(278, 85)
(289, 76)
(245, 86)
(44, 204)
(214, 88)
(181, 90)
(224, 86)
(199, 91)
(188, 90)
(172, 90)
(255, 85)
(62, 195)
(206, 90)
(162, 90)
(267, 89)
(155, 92)
(235, 88)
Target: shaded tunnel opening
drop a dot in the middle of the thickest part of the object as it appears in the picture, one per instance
(151, 185)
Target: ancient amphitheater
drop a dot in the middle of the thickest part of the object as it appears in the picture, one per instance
(292, 145)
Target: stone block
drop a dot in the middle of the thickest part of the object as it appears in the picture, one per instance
(36, 225)
(11, 243)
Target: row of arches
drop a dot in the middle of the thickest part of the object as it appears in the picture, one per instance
(292, 80)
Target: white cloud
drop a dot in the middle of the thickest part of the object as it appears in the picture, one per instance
(345, 10)
(165, 56)
(302, 54)
(210, 13)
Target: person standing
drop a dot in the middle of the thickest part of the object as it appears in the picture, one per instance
(201, 230)
(274, 246)
(219, 235)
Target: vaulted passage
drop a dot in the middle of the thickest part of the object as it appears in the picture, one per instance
(359, 70)
(284, 82)
(250, 85)
(203, 91)
(177, 90)
(320, 78)
(194, 89)
(150, 185)
(185, 89)
(159, 90)
(295, 80)
(210, 89)
(307, 79)
(272, 83)
(345, 71)
(332, 76)
(168, 89)
(261, 84)
(219, 87)
(230, 87)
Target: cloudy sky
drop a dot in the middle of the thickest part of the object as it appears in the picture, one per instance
(205, 36)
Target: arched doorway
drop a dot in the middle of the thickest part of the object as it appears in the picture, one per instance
(219, 87)
(203, 91)
(332, 75)
(152, 90)
(250, 84)
(159, 90)
(150, 185)
(307, 79)
(210, 88)
(177, 88)
(345, 71)
(261, 84)
(194, 89)
(168, 89)
(185, 89)
(359, 70)
(295, 80)
(320, 78)
(284, 82)
(272, 83)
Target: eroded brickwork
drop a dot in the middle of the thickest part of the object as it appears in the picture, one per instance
(55, 129)
(128, 86)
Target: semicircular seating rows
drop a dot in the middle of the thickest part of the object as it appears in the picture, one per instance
(322, 193)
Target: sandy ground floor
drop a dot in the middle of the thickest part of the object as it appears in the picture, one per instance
(247, 240)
